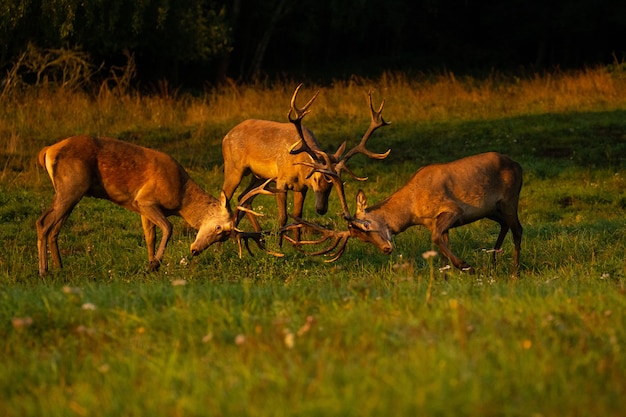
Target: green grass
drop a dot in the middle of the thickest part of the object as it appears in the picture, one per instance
(266, 336)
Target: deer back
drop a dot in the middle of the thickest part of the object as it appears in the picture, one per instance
(473, 186)
(117, 171)
(263, 148)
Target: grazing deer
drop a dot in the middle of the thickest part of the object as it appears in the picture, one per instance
(266, 149)
(439, 197)
(139, 179)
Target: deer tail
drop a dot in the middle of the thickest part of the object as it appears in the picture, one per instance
(42, 157)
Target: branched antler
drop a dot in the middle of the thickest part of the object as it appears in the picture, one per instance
(305, 146)
(332, 165)
(337, 239)
(253, 192)
(376, 122)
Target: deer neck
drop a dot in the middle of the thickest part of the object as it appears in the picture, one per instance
(196, 204)
(394, 212)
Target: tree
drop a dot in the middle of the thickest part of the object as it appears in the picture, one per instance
(162, 33)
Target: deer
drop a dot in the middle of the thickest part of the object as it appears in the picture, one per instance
(268, 149)
(143, 180)
(440, 197)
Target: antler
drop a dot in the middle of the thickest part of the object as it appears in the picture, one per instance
(255, 191)
(258, 237)
(337, 239)
(376, 122)
(297, 122)
(331, 166)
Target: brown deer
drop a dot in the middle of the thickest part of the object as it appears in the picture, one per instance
(439, 197)
(139, 179)
(267, 149)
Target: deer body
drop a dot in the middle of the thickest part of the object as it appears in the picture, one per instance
(262, 148)
(289, 153)
(139, 179)
(445, 196)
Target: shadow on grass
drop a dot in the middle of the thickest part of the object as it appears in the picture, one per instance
(544, 144)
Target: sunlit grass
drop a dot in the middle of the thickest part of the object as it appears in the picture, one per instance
(42, 116)
(321, 347)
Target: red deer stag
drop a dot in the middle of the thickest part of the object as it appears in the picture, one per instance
(440, 197)
(139, 179)
(265, 149)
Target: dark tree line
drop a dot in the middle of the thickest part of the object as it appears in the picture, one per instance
(195, 41)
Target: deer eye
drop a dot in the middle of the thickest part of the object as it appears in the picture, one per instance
(362, 226)
(218, 228)
(328, 179)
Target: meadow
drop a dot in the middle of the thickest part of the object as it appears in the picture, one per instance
(367, 335)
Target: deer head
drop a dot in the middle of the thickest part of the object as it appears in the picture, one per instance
(370, 227)
(216, 226)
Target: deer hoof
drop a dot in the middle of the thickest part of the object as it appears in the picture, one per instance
(154, 266)
(466, 268)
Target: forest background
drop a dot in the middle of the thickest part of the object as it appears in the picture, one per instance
(199, 42)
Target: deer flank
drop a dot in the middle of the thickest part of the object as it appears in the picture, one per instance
(139, 179)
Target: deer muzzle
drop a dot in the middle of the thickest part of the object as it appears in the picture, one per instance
(321, 202)
(386, 248)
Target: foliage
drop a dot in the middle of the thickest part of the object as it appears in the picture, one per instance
(216, 39)
(368, 335)
(168, 32)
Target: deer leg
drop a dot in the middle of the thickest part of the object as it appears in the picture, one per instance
(440, 237)
(149, 232)
(53, 243)
(232, 179)
(509, 221)
(281, 200)
(43, 232)
(445, 261)
(504, 229)
(151, 216)
(298, 205)
(48, 227)
(516, 230)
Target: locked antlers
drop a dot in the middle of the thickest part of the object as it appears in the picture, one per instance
(333, 165)
(337, 239)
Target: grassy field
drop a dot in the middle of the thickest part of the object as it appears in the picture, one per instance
(368, 335)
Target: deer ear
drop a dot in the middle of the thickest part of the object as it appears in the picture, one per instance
(361, 202)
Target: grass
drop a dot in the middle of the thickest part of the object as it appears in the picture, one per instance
(367, 335)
